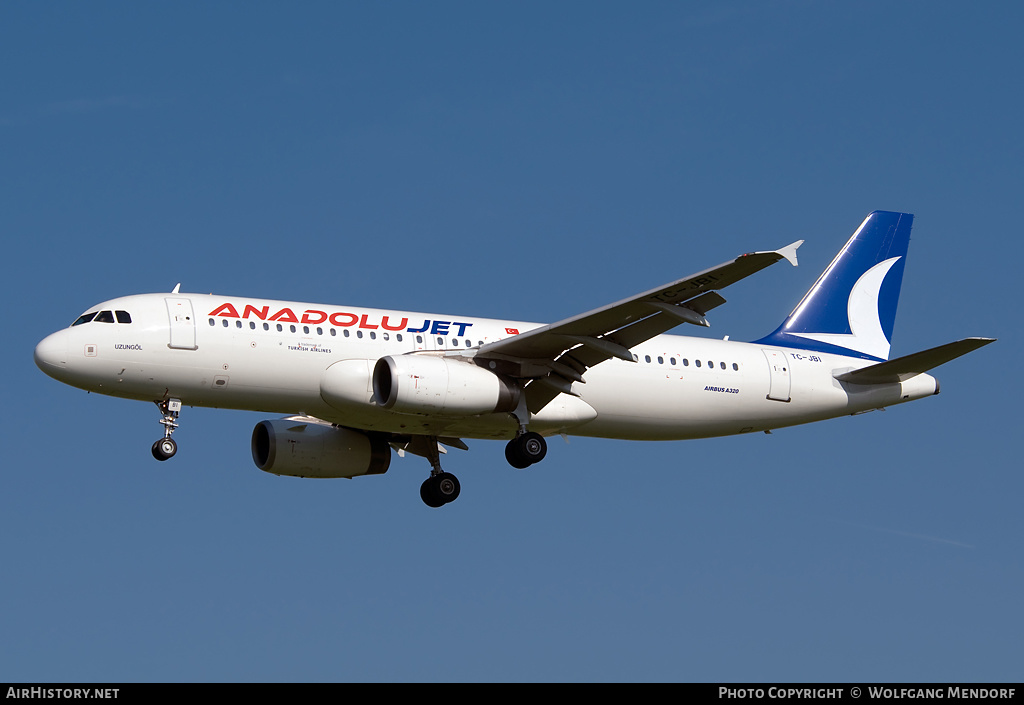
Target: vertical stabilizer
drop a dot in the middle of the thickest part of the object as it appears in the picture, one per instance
(851, 309)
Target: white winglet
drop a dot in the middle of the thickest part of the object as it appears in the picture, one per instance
(789, 252)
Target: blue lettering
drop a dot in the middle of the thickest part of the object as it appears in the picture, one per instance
(439, 327)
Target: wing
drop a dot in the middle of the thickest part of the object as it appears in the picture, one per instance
(557, 355)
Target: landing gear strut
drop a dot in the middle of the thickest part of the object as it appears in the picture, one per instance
(441, 487)
(526, 449)
(165, 448)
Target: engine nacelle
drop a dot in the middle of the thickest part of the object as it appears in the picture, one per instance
(427, 384)
(304, 447)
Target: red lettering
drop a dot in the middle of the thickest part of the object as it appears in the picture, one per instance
(285, 314)
(307, 317)
(225, 310)
(400, 326)
(261, 313)
(364, 324)
(337, 321)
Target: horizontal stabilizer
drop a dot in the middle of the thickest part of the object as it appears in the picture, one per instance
(903, 368)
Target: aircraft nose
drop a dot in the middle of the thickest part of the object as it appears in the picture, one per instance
(51, 354)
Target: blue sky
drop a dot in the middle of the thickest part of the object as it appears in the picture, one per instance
(528, 161)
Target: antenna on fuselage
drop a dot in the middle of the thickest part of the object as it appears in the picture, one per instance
(176, 287)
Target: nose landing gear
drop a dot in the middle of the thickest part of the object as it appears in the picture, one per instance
(165, 448)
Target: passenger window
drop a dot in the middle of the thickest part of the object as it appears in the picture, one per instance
(399, 337)
(722, 365)
(305, 329)
(123, 317)
(280, 328)
(686, 363)
(697, 363)
(85, 318)
(735, 366)
(213, 322)
(225, 322)
(373, 336)
(292, 328)
(359, 334)
(104, 317)
(672, 361)
(252, 325)
(266, 326)
(647, 358)
(238, 324)
(661, 360)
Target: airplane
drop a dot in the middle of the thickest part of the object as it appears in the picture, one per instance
(357, 384)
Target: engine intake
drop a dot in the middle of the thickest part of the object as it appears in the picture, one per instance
(426, 384)
(304, 447)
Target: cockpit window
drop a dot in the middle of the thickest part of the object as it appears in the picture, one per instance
(103, 317)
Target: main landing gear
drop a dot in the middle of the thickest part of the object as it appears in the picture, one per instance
(441, 487)
(526, 449)
(165, 448)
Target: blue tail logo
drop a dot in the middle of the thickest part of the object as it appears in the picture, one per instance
(851, 309)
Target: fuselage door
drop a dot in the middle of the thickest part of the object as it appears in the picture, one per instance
(182, 324)
(778, 370)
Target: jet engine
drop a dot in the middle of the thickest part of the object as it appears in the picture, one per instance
(426, 384)
(301, 446)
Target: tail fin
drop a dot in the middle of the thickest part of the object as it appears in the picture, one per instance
(851, 309)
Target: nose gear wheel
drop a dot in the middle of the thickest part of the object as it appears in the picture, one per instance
(165, 448)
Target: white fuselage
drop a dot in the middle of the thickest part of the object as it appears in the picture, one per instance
(277, 356)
